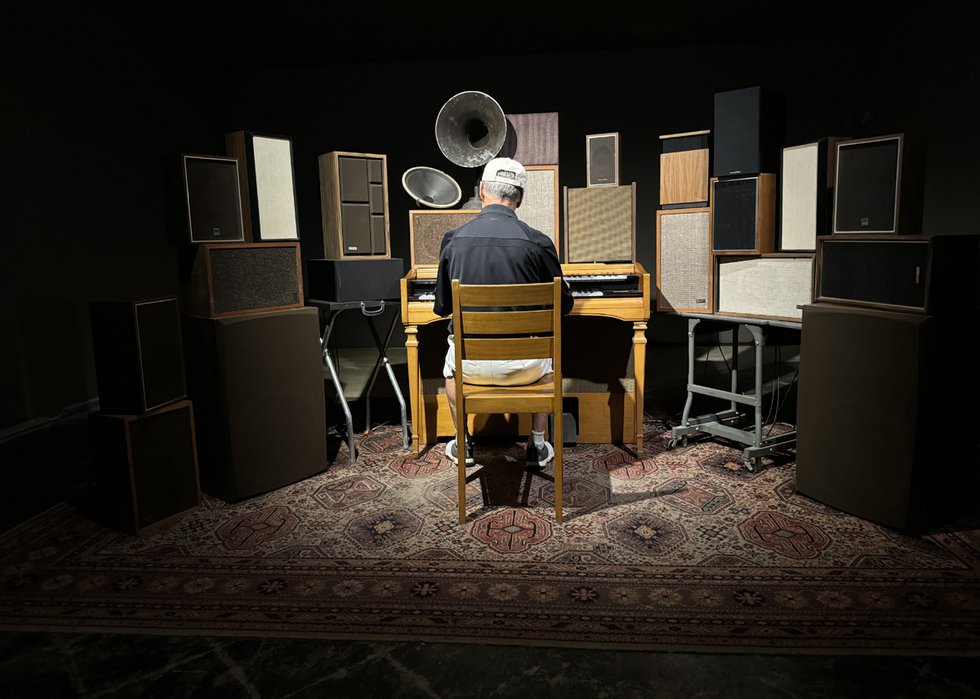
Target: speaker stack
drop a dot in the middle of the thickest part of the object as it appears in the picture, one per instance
(251, 347)
(146, 468)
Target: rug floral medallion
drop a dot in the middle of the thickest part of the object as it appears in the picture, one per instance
(682, 549)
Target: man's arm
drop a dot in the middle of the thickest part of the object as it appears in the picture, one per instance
(552, 270)
(443, 305)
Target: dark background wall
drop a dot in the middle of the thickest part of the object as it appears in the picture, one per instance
(97, 108)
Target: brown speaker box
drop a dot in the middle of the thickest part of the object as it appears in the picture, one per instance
(146, 472)
(532, 139)
(878, 186)
(227, 279)
(743, 215)
(354, 205)
(602, 160)
(917, 274)
(212, 196)
(268, 189)
(684, 172)
(773, 286)
(258, 391)
(139, 359)
(877, 397)
(539, 206)
(427, 228)
(600, 224)
(684, 270)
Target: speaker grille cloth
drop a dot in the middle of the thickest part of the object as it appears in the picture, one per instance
(274, 188)
(248, 278)
(532, 139)
(600, 224)
(799, 200)
(765, 286)
(428, 229)
(866, 186)
(537, 209)
(685, 260)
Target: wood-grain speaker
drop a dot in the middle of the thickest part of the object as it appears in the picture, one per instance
(354, 204)
(743, 215)
(684, 172)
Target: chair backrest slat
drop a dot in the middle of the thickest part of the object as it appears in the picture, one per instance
(508, 348)
(491, 295)
(507, 322)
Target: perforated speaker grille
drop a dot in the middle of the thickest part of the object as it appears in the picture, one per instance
(427, 229)
(765, 286)
(254, 277)
(538, 208)
(600, 224)
(684, 252)
(532, 139)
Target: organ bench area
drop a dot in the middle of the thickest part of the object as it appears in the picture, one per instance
(603, 357)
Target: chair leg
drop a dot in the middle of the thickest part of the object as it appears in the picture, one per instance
(558, 443)
(461, 457)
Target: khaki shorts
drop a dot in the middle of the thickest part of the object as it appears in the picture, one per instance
(496, 372)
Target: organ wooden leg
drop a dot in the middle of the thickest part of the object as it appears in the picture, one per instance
(414, 382)
(639, 373)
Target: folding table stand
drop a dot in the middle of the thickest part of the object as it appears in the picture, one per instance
(330, 310)
(723, 424)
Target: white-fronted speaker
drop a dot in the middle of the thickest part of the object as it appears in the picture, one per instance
(684, 272)
(773, 286)
(431, 187)
(539, 206)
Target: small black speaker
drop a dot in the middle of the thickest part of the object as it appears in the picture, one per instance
(749, 131)
(602, 159)
(139, 361)
(743, 214)
(145, 466)
(213, 199)
(878, 394)
(878, 185)
(919, 274)
(354, 280)
(257, 385)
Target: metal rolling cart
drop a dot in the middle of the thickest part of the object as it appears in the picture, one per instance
(330, 310)
(725, 424)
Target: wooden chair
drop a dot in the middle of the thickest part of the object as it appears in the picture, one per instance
(530, 328)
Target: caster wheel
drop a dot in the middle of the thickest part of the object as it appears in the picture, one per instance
(752, 465)
(671, 444)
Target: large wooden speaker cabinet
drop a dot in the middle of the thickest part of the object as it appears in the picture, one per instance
(139, 360)
(878, 186)
(268, 190)
(146, 469)
(354, 205)
(212, 198)
(684, 270)
(743, 215)
(918, 274)
(600, 224)
(257, 385)
(879, 397)
(806, 188)
(225, 279)
(684, 170)
(749, 130)
(776, 285)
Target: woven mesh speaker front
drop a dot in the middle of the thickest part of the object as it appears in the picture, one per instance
(532, 139)
(765, 286)
(427, 229)
(684, 251)
(600, 224)
(538, 207)
(255, 277)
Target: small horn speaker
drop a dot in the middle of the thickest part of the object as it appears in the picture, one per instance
(431, 187)
(471, 128)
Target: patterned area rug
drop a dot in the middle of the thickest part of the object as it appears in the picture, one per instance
(682, 550)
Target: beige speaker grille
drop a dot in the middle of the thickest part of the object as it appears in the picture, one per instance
(427, 229)
(538, 208)
(684, 250)
(765, 286)
(600, 224)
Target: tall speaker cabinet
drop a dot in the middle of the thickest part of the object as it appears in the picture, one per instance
(354, 205)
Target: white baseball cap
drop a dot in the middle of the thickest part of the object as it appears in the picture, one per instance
(507, 171)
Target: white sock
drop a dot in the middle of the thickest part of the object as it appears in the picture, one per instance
(538, 438)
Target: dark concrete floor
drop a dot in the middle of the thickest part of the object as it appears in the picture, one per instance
(47, 466)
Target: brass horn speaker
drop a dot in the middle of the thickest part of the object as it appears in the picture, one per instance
(471, 128)
(431, 187)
